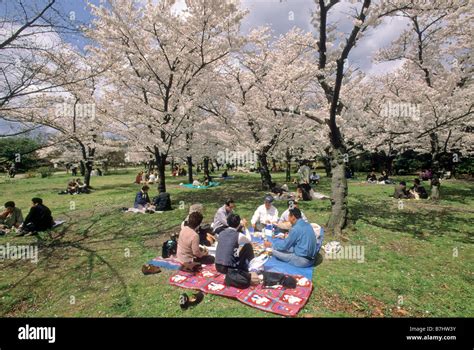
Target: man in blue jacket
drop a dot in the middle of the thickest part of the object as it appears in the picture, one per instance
(299, 247)
(142, 200)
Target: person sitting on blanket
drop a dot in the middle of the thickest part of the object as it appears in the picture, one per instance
(220, 219)
(38, 219)
(418, 191)
(206, 236)
(188, 243)
(299, 247)
(142, 200)
(81, 186)
(225, 174)
(72, 187)
(401, 191)
(138, 178)
(234, 250)
(372, 178)
(11, 216)
(284, 222)
(304, 191)
(278, 190)
(265, 214)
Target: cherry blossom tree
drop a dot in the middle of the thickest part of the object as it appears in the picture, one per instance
(161, 61)
(71, 110)
(29, 35)
(435, 78)
(264, 83)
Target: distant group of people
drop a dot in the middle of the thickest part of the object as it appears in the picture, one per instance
(74, 168)
(382, 179)
(76, 186)
(145, 177)
(178, 171)
(417, 191)
(38, 219)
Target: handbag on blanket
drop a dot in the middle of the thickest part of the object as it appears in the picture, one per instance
(275, 278)
(237, 278)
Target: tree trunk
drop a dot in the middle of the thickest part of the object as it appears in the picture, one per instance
(189, 160)
(389, 164)
(264, 172)
(435, 153)
(339, 209)
(82, 168)
(327, 162)
(88, 170)
(150, 165)
(288, 166)
(435, 193)
(206, 165)
(161, 164)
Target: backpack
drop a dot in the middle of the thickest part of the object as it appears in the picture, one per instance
(162, 202)
(237, 278)
(170, 247)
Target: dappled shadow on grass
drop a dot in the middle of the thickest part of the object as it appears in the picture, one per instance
(55, 248)
(459, 195)
(413, 218)
(54, 256)
(239, 192)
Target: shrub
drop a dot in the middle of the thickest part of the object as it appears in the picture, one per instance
(45, 171)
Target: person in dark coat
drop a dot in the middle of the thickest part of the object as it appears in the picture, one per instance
(142, 200)
(38, 219)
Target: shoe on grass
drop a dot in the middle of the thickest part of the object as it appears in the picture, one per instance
(148, 269)
(185, 301)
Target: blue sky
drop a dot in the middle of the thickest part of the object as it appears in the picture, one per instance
(281, 15)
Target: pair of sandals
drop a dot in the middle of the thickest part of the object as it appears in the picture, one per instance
(185, 301)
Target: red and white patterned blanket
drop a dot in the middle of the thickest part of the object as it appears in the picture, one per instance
(286, 302)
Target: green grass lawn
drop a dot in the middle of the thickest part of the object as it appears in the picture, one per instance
(418, 261)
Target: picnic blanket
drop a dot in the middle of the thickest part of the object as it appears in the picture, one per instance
(286, 302)
(275, 265)
(167, 263)
(141, 211)
(211, 184)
